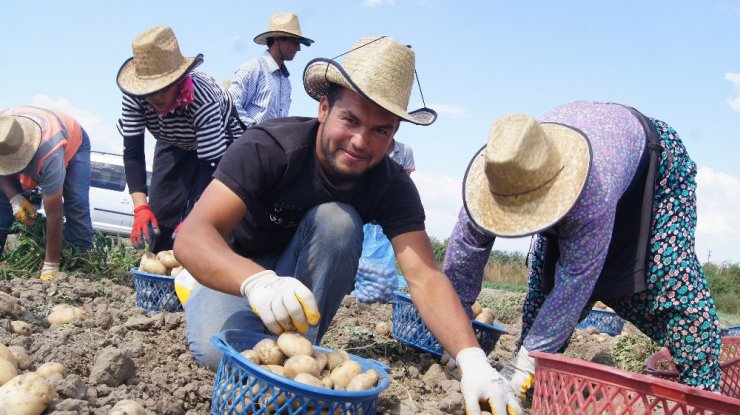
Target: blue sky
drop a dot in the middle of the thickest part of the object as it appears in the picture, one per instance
(674, 60)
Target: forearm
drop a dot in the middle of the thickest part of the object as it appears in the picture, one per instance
(139, 198)
(54, 227)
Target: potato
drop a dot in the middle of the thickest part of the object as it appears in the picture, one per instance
(336, 357)
(150, 264)
(322, 359)
(301, 364)
(342, 374)
(26, 394)
(485, 317)
(382, 328)
(276, 369)
(49, 369)
(309, 379)
(477, 308)
(64, 313)
(21, 327)
(9, 305)
(251, 355)
(293, 344)
(8, 371)
(127, 407)
(23, 361)
(7, 354)
(327, 381)
(176, 270)
(363, 381)
(167, 258)
(269, 352)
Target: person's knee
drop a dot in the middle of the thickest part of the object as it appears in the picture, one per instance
(204, 353)
(338, 219)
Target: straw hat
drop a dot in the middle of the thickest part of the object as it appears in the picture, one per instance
(380, 69)
(283, 24)
(157, 63)
(528, 176)
(19, 140)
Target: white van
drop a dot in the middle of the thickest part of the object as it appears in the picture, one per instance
(111, 208)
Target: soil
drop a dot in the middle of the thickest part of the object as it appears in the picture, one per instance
(118, 351)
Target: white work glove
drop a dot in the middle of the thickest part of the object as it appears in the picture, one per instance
(283, 303)
(49, 271)
(520, 372)
(23, 210)
(481, 382)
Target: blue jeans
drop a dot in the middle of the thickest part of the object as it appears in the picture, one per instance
(78, 229)
(323, 255)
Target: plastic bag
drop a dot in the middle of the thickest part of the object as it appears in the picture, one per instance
(376, 272)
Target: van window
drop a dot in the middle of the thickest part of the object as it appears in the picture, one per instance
(107, 176)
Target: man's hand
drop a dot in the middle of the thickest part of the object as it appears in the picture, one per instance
(283, 303)
(481, 382)
(520, 372)
(49, 271)
(23, 210)
(145, 226)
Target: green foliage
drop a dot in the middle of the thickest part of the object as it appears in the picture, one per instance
(439, 248)
(109, 257)
(632, 351)
(724, 283)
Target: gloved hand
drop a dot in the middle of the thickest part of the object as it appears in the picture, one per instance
(49, 271)
(520, 372)
(283, 303)
(23, 210)
(481, 382)
(145, 226)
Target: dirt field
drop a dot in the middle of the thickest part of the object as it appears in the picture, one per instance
(120, 352)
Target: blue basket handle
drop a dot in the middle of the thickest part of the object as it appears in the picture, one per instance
(219, 343)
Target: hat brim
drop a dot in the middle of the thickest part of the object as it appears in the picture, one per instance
(532, 212)
(320, 72)
(261, 39)
(13, 163)
(133, 85)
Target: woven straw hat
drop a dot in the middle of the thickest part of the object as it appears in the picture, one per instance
(19, 140)
(283, 24)
(157, 63)
(528, 176)
(380, 69)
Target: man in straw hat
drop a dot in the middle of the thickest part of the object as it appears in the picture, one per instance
(193, 121)
(610, 195)
(261, 88)
(276, 237)
(50, 150)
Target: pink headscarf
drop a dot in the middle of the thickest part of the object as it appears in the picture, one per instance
(184, 97)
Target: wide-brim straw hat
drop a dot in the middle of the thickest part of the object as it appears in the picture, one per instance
(379, 69)
(156, 65)
(527, 177)
(19, 139)
(283, 24)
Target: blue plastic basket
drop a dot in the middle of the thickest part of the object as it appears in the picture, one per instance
(242, 387)
(155, 292)
(410, 329)
(605, 321)
(730, 331)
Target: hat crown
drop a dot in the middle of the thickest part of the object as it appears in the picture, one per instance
(11, 135)
(520, 157)
(157, 53)
(284, 22)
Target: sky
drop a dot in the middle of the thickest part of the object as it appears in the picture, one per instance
(677, 61)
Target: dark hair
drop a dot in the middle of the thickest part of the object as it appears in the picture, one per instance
(270, 41)
(333, 93)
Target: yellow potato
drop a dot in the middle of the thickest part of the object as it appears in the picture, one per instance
(251, 355)
(293, 344)
(485, 317)
(477, 308)
(336, 357)
(363, 381)
(322, 359)
(309, 379)
(269, 352)
(342, 374)
(301, 364)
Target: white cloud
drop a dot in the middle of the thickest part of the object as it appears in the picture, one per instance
(733, 77)
(718, 226)
(103, 135)
(376, 3)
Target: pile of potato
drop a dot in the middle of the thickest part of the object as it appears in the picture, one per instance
(294, 357)
(164, 263)
(26, 393)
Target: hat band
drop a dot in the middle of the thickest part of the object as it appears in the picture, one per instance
(543, 184)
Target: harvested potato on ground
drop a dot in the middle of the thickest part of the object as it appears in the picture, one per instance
(251, 355)
(9, 305)
(167, 258)
(342, 374)
(127, 407)
(309, 379)
(382, 328)
(336, 357)
(64, 313)
(7, 354)
(8, 371)
(149, 263)
(477, 308)
(23, 361)
(26, 394)
(363, 381)
(293, 344)
(21, 327)
(269, 352)
(49, 369)
(301, 364)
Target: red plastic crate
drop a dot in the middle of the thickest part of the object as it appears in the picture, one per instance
(661, 366)
(567, 386)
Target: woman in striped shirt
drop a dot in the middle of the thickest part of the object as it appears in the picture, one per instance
(193, 121)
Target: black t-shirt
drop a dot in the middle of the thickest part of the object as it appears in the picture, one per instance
(273, 168)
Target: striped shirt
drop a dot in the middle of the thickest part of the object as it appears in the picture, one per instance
(403, 155)
(261, 90)
(207, 125)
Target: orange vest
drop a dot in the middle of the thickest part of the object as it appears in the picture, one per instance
(57, 130)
